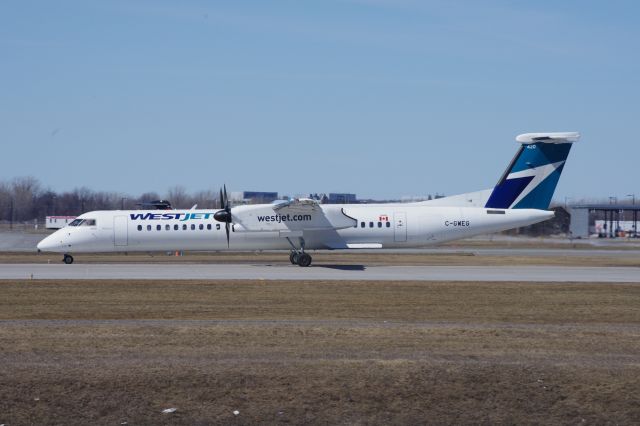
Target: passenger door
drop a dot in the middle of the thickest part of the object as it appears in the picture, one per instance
(400, 227)
(120, 232)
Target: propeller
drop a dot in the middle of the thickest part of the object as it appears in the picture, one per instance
(224, 215)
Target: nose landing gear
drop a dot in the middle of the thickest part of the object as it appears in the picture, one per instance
(68, 259)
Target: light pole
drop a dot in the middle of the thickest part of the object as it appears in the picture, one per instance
(635, 214)
(611, 231)
(122, 203)
(11, 214)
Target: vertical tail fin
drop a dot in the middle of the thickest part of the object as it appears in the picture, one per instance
(531, 178)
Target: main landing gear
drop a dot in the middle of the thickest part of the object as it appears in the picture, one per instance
(299, 257)
(68, 259)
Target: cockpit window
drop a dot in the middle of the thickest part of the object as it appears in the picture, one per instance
(88, 222)
(76, 222)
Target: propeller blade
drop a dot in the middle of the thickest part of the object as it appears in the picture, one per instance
(224, 214)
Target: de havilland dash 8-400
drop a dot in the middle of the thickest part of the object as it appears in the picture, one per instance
(521, 197)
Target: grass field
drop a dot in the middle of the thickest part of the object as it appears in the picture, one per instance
(76, 352)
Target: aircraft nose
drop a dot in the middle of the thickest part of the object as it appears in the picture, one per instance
(50, 243)
(45, 244)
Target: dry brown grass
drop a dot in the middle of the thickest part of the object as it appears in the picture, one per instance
(321, 300)
(318, 352)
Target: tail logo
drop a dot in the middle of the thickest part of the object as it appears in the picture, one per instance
(531, 178)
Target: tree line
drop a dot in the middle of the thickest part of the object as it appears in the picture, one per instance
(24, 199)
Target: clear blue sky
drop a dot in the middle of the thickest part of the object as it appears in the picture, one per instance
(383, 98)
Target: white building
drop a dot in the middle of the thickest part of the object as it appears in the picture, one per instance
(57, 222)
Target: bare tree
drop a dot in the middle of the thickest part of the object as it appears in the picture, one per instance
(205, 199)
(25, 191)
(178, 197)
(23, 199)
(5, 201)
(148, 196)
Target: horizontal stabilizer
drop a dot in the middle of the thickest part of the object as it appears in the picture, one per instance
(470, 199)
(557, 137)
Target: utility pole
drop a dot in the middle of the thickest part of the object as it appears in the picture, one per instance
(635, 214)
(566, 199)
(11, 214)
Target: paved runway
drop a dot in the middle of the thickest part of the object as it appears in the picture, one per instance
(320, 272)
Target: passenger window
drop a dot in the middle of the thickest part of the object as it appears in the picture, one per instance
(379, 224)
(158, 227)
(139, 227)
(193, 226)
(175, 227)
(148, 227)
(201, 227)
(362, 224)
(208, 226)
(388, 224)
(370, 224)
(218, 226)
(167, 227)
(184, 226)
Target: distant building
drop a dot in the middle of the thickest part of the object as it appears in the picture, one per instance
(605, 220)
(258, 197)
(342, 198)
(57, 222)
(419, 198)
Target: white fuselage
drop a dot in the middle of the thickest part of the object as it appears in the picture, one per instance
(262, 228)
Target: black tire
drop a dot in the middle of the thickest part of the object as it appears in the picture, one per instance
(293, 258)
(304, 260)
(68, 259)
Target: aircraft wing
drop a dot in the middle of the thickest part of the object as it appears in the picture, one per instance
(298, 204)
(295, 215)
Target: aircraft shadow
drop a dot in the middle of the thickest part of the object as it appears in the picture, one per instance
(342, 267)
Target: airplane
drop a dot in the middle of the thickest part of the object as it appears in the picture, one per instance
(520, 198)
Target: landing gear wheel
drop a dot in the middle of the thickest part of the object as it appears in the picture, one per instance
(293, 258)
(68, 259)
(304, 260)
